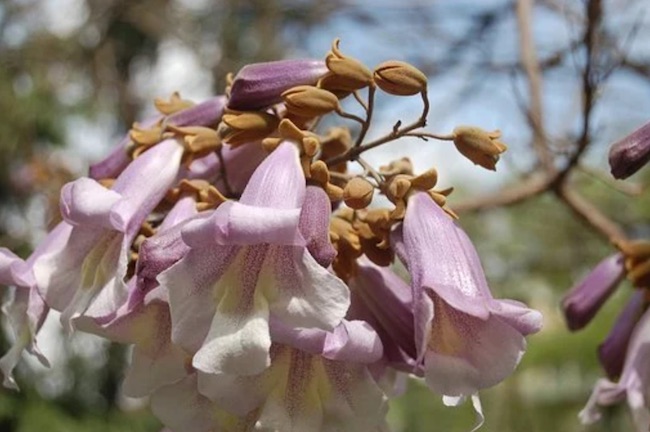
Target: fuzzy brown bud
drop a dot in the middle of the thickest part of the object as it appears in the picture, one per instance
(480, 146)
(308, 101)
(358, 193)
(400, 78)
(237, 129)
(346, 74)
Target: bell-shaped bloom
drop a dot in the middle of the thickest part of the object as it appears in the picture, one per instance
(631, 153)
(382, 299)
(633, 384)
(317, 381)
(248, 262)
(146, 324)
(93, 259)
(611, 352)
(260, 85)
(26, 310)
(465, 339)
(585, 299)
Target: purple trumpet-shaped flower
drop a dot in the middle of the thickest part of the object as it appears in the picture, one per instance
(92, 260)
(585, 299)
(317, 381)
(206, 113)
(631, 153)
(611, 352)
(248, 262)
(382, 299)
(155, 361)
(633, 384)
(26, 311)
(260, 85)
(465, 339)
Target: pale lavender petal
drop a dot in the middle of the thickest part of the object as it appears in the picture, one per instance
(631, 153)
(438, 259)
(312, 394)
(235, 393)
(278, 182)
(314, 225)
(467, 353)
(259, 85)
(86, 202)
(611, 352)
(10, 267)
(301, 293)
(140, 195)
(184, 209)
(181, 407)
(353, 341)
(585, 299)
(516, 314)
(191, 286)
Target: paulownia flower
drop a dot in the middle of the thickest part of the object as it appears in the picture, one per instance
(248, 262)
(317, 381)
(633, 384)
(26, 310)
(465, 339)
(146, 323)
(92, 260)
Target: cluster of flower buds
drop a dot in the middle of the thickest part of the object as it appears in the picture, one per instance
(227, 242)
(624, 352)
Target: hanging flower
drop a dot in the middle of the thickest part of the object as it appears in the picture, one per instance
(465, 339)
(93, 258)
(248, 262)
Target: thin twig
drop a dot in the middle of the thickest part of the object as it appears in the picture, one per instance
(353, 152)
(359, 99)
(590, 214)
(369, 111)
(530, 64)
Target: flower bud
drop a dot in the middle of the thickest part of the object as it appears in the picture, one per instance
(346, 74)
(259, 85)
(585, 299)
(611, 353)
(357, 194)
(481, 147)
(400, 78)
(631, 153)
(308, 101)
(237, 129)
